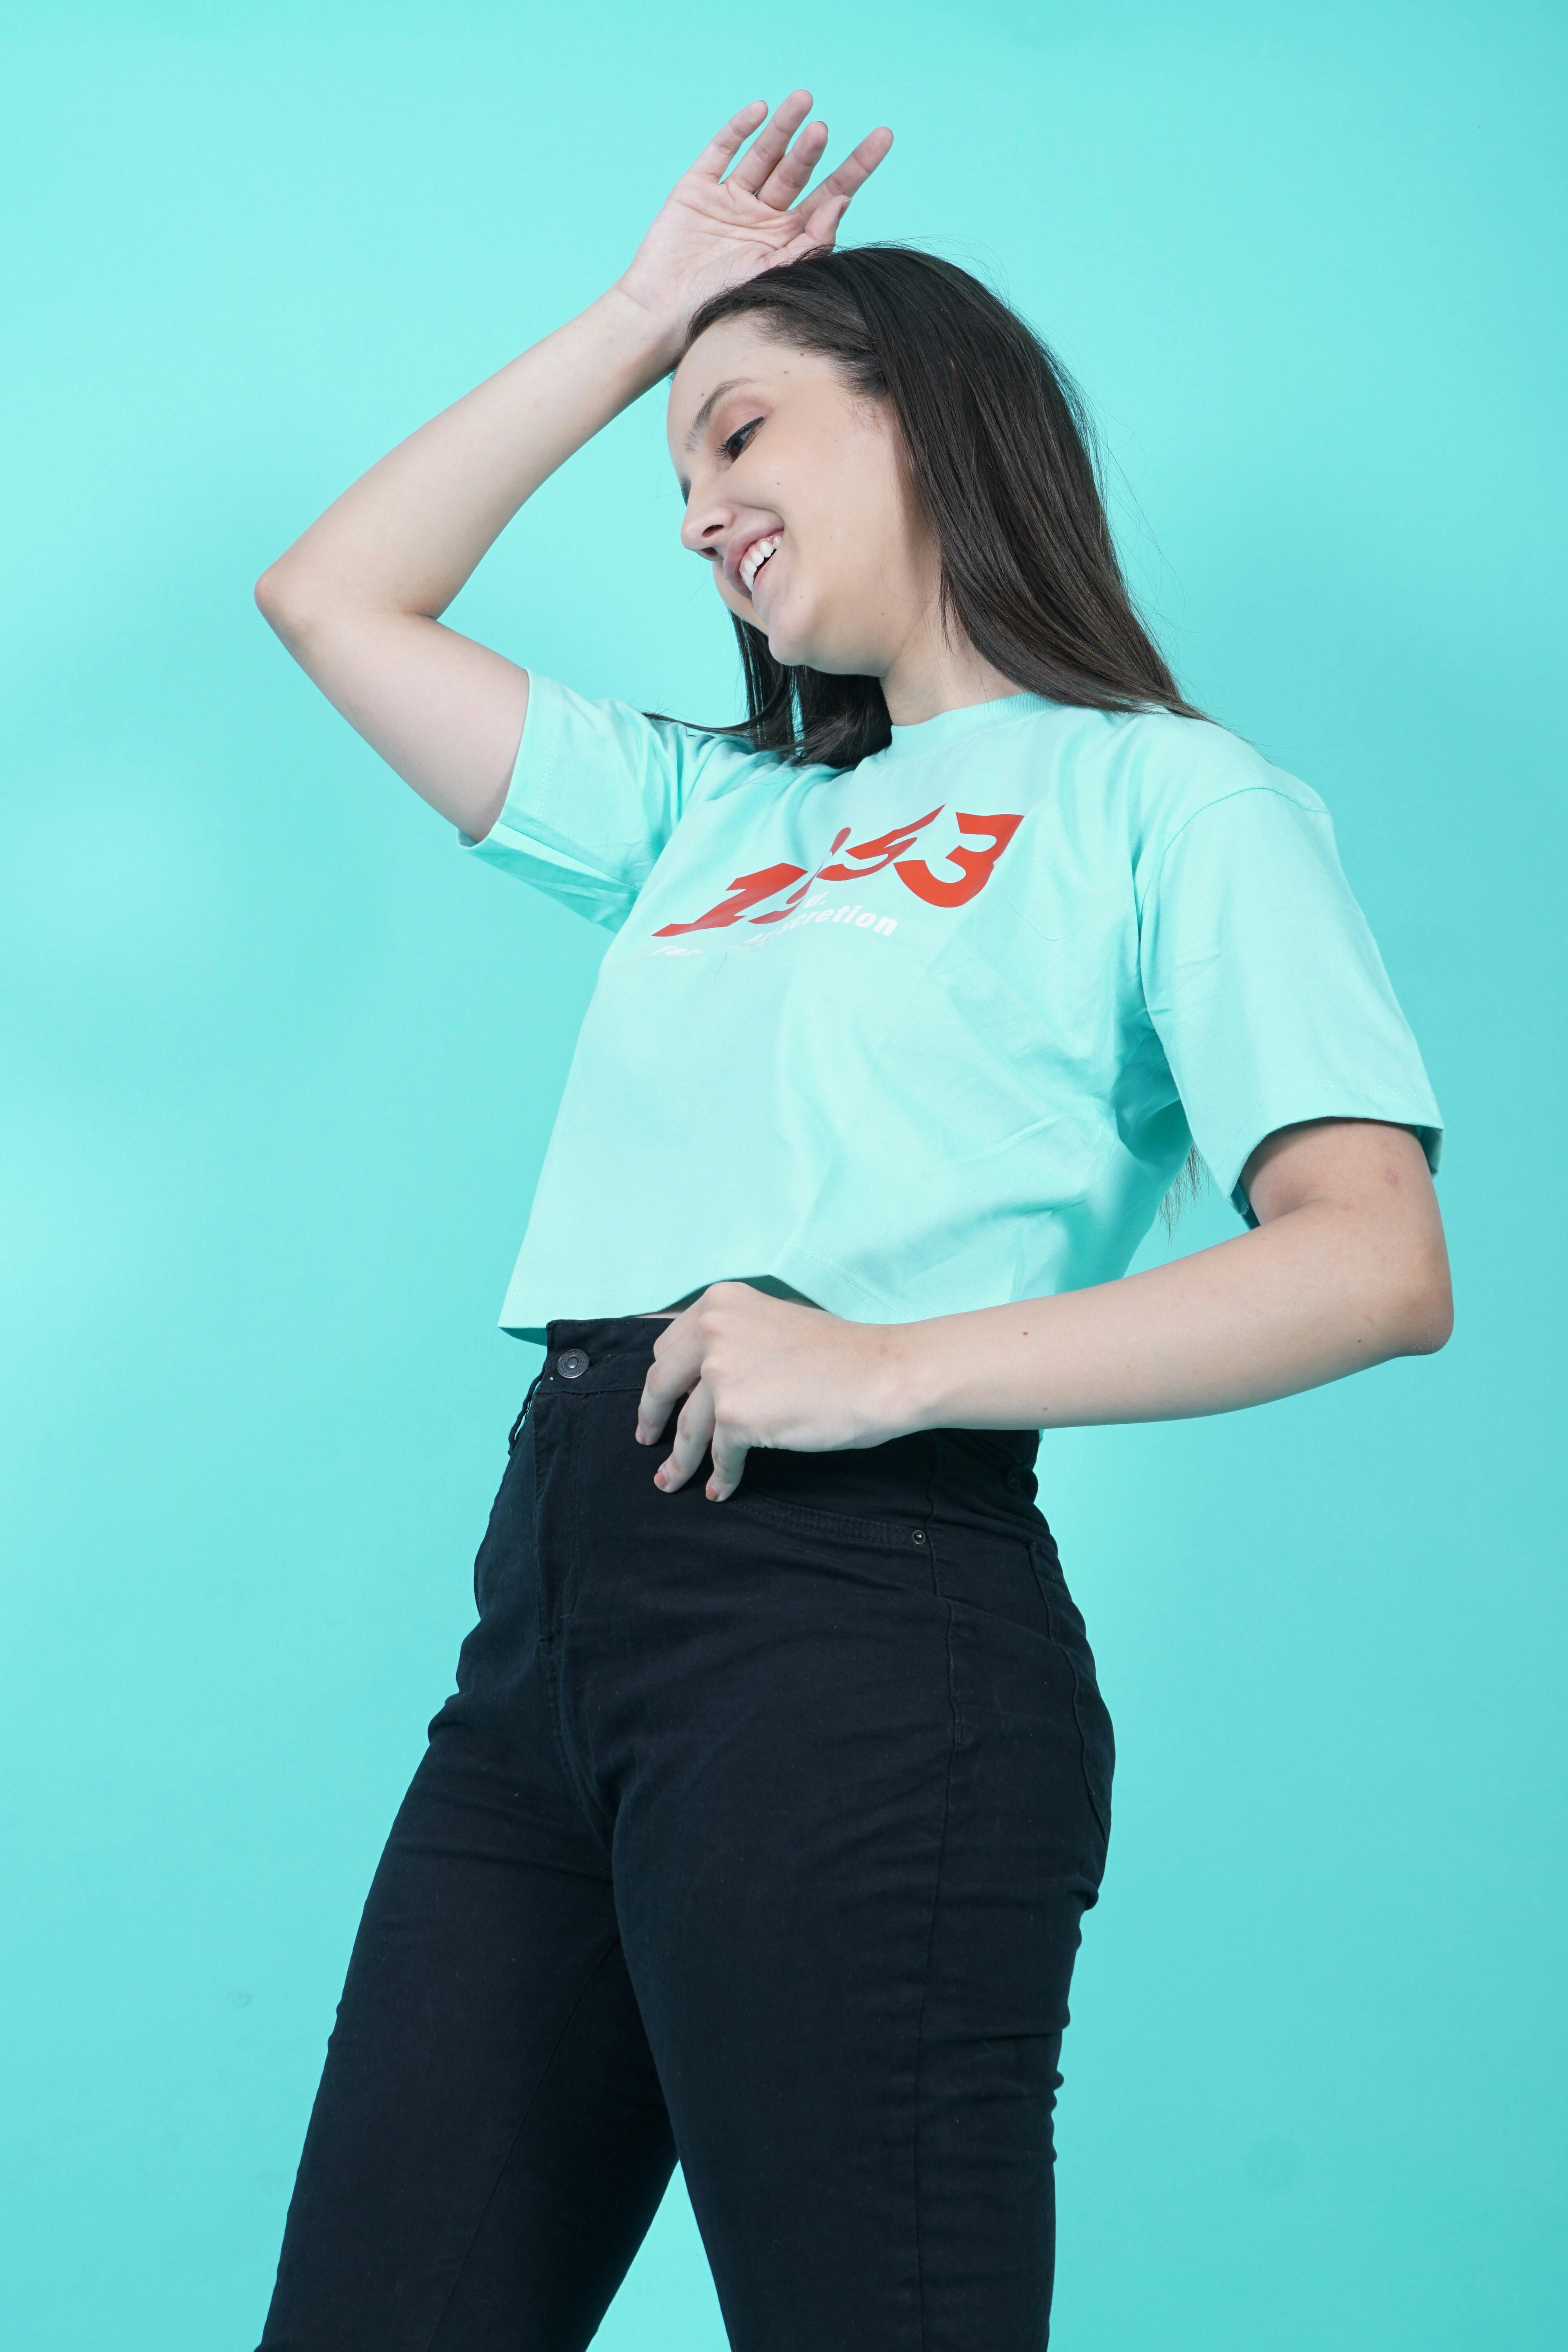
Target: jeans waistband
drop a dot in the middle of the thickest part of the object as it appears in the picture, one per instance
(952, 1473)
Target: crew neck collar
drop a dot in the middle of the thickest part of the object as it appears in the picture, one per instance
(928, 734)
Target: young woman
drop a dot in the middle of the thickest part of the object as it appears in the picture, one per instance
(762, 1833)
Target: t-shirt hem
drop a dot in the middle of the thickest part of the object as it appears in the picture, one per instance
(832, 1289)
(532, 766)
(522, 843)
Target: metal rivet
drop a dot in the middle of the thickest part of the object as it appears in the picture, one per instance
(919, 1535)
(572, 1363)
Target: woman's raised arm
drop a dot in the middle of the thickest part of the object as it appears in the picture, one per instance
(358, 598)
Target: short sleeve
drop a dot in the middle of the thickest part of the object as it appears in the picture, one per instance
(1266, 986)
(596, 789)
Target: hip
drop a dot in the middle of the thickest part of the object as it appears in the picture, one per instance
(890, 1595)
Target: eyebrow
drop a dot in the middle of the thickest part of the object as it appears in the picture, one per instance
(706, 410)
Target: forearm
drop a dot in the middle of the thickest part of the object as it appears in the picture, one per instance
(1315, 1295)
(1348, 1267)
(407, 534)
(357, 598)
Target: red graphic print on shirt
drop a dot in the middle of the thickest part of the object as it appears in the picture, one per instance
(777, 914)
(747, 890)
(750, 891)
(880, 852)
(975, 864)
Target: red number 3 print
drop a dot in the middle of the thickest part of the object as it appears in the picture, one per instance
(975, 864)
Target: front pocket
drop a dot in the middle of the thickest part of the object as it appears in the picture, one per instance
(990, 1571)
(895, 1553)
(834, 1527)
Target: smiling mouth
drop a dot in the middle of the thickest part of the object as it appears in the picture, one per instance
(756, 556)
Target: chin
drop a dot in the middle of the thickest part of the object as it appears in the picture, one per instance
(800, 648)
(786, 643)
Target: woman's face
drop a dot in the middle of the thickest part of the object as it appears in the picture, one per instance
(795, 492)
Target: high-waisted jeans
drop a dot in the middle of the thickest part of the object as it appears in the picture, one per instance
(757, 1834)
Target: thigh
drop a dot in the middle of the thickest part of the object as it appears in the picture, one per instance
(851, 1892)
(489, 2142)
(1024, 1852)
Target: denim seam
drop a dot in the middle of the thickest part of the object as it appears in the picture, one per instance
(566, 2025)
(936, 1882)
(551, 1634)
(516, 1429)
(552, 1708)
(806, 1518)
(925, 1984)
(1077, 1695)
(573, 1512)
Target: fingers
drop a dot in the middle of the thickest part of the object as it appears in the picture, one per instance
(767, 148)
(681, 1369)
(855, 169)
(676, 1362)
(729, 140)
(695, 1433)
(693, 1429)
(818, 229)
(728, 1462)
(790, 174)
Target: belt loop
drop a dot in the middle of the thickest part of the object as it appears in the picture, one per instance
(528, 1400)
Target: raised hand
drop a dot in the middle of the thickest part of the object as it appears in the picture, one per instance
(713, 232)
(357, 597)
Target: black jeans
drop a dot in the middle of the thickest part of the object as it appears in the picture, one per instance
(757, 1832)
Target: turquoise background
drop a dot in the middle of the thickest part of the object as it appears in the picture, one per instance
(279, 1066)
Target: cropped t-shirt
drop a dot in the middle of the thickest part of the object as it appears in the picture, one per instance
(938, 1031)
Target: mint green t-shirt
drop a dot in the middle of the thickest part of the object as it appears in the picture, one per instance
(935, 1031)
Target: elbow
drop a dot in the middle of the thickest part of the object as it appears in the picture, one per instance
(298, 620)
(283, 598)
(275, 599)
(1434, 1324)
(1426, 1310)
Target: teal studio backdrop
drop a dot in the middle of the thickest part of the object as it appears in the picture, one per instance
(279, 1063)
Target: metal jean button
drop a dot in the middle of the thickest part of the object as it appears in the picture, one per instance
(572, 1363)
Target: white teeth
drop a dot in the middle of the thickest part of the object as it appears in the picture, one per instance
(755, 557)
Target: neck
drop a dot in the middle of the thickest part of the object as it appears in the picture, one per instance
(933, 672)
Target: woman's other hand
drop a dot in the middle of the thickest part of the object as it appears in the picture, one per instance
(758, 1370)
(713, 232)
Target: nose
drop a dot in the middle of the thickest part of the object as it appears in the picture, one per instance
(706, 525)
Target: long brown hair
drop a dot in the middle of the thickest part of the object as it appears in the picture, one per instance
(1001, 457)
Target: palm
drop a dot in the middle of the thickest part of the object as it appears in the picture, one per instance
(713, 232)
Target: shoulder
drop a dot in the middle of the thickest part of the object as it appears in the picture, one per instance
(1165, 771)
(717, 759)
(1151, 769)
(1177, 767)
